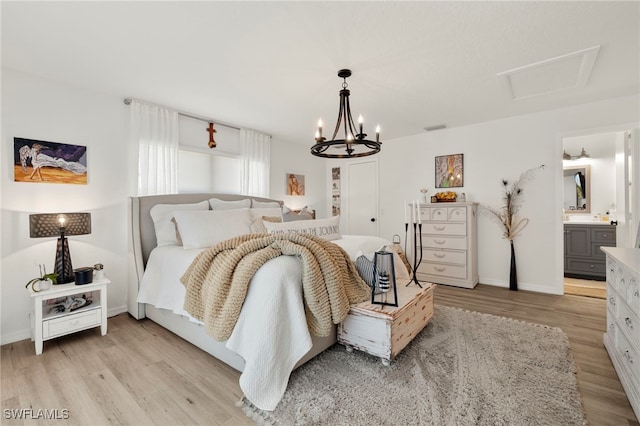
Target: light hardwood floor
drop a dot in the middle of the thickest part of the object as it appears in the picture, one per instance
(590, 288)
(141, 374)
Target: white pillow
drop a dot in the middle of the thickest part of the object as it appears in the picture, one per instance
(329, 229)
(217, 204)
(264, 204)
(162, 214)
(201, 229)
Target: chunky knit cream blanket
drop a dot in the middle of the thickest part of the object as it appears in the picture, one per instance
(218, 278)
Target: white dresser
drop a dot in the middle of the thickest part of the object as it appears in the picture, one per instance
(622, 338)
(449, 241)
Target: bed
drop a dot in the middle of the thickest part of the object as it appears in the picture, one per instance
(166, 309)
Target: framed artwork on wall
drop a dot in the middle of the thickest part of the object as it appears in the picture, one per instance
(335, 191)
(449, 171)
(49, 162)
(295, 184)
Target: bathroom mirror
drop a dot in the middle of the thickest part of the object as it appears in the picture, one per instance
(576, 185)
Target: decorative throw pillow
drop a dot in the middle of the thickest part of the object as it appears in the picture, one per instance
(257, 226)
(365, 270)
(217, 204)
(178, 236)
(400, 253)
(329, 229)
(162, 214)
(266, 211)
(402, 273)
(200, 229)
(289, 215)
(264, 204)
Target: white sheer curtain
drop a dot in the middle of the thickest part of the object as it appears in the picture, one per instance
(154, 149)
(255, 149)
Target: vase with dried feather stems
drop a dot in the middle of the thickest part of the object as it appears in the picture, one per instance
(506, 216)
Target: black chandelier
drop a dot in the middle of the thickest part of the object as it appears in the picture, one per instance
(354, 144)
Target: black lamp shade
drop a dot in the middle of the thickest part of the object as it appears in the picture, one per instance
(60, 225)
(48, 225)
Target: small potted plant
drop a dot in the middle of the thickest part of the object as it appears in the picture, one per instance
(44, 281)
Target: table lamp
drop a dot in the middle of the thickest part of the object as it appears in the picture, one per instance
(60, 225)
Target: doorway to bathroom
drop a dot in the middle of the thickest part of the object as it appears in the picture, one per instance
(597, 200)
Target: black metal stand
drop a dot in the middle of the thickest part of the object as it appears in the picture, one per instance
(417, 230)
(406, 234)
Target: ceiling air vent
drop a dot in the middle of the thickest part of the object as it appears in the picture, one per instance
(435, 127)
(551, 75)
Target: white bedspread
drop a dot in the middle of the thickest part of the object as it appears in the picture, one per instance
(271, 333)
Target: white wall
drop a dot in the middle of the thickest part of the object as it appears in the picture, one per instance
(296, 158)
(35, 108)
(493, 151)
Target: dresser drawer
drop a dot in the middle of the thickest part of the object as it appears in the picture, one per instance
(604, 234)
(633, 293)
(444, 256)
(70, 323)
(612, 272)
(612, 328)
(452, 271)
(586, 266)
(444, 228)
(425, 213)
(630, 324)
(631, 357)
(457, 214)
(438, 213)
(434, 241)
(613, 300)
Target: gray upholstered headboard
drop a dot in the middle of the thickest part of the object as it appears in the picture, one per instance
(142, 234)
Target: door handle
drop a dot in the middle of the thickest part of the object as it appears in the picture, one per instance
(373, 219)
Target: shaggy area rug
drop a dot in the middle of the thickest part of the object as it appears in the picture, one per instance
(464, 368)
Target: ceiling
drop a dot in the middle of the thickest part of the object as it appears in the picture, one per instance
(272, 66)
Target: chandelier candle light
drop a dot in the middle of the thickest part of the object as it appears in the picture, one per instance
(354, 144)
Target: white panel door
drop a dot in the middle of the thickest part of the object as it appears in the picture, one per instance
(362, 197)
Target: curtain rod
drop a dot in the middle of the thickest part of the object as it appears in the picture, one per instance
(127, 101)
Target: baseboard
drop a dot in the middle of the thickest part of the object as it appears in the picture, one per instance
(538, 288)
(112, 312)
(15, 336)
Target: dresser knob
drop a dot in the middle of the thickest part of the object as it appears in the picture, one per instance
(627, 355)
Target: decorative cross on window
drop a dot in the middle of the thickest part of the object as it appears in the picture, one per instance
(211, 130)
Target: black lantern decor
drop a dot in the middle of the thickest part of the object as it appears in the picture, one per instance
(384, 279)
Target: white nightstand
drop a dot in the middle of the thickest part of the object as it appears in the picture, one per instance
(47, 324)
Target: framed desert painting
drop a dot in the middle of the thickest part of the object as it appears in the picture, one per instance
(449, 171)
(49, 162)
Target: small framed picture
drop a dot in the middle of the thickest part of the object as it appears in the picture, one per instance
(295, 184)
(449, 171)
